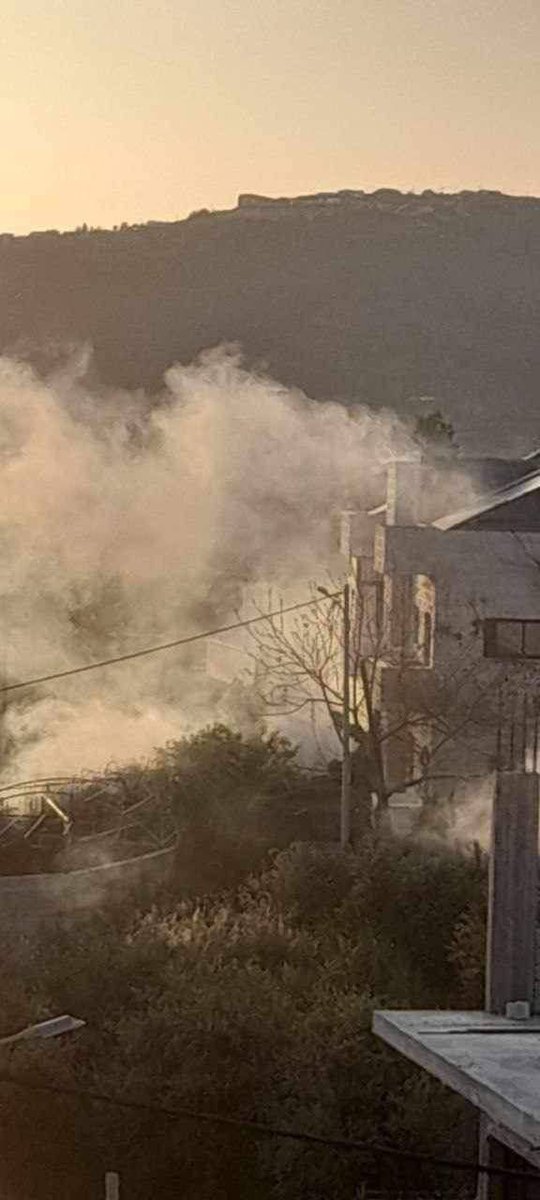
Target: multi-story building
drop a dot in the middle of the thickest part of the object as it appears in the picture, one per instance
(447, 568)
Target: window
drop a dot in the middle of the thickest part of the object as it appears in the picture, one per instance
(427, 639)
(422, 634)
(511, 639)
(379, 606)
(400, 756)
(532, 639)
(417, 625)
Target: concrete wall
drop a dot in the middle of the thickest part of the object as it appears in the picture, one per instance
(473, 575)
(513, 892)
(495, 569)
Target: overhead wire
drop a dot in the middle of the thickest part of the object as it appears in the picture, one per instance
(160, 648)
(258, 1128)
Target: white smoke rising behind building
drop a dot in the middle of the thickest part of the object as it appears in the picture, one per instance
(126, 522)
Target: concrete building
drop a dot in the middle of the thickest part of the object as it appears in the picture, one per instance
(445, 567)
(464, 581)
(492, 1058)
(447, 570)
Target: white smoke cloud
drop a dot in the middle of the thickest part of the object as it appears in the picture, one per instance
(125, 523)
(470, 818)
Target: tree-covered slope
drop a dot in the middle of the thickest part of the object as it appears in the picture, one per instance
(381, 298)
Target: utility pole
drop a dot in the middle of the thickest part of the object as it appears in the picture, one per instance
(345, 813)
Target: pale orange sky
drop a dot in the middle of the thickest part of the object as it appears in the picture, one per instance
(130, 110)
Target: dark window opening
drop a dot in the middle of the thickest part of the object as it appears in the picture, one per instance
(400, 755)
(508, 639)
(417, 625)
(427, 638)
(379, 606)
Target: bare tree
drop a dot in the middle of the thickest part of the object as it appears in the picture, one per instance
(414, 724)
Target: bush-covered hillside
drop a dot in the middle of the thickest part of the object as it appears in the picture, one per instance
(382, 298)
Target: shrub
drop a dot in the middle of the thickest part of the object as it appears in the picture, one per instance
(254, 1001)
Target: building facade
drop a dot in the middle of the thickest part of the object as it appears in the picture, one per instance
(447, 574)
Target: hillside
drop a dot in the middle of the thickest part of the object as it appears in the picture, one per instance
(382, 297)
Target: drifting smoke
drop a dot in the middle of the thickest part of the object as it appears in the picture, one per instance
(126, 523)
(470, 820)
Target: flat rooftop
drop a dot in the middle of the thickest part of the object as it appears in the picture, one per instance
(491, 1061)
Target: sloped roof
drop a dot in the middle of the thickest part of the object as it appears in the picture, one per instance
(491, 500)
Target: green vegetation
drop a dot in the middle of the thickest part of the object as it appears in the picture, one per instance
(252, 996)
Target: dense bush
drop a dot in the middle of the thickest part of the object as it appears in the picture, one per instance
(256, 1003)
(224, 798)
(414, 911)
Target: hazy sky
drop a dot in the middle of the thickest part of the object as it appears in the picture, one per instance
(128, 110)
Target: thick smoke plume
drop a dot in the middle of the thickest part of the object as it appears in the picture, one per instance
(127, 522)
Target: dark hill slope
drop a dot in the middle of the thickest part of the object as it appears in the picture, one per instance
(383, 298)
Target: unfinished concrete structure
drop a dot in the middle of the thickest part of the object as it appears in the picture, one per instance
(447, 570)
(492, 1058)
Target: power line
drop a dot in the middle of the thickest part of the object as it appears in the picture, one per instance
(272, 1131)
(183, 641)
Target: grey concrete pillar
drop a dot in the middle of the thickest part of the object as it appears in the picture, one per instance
(513, 891)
